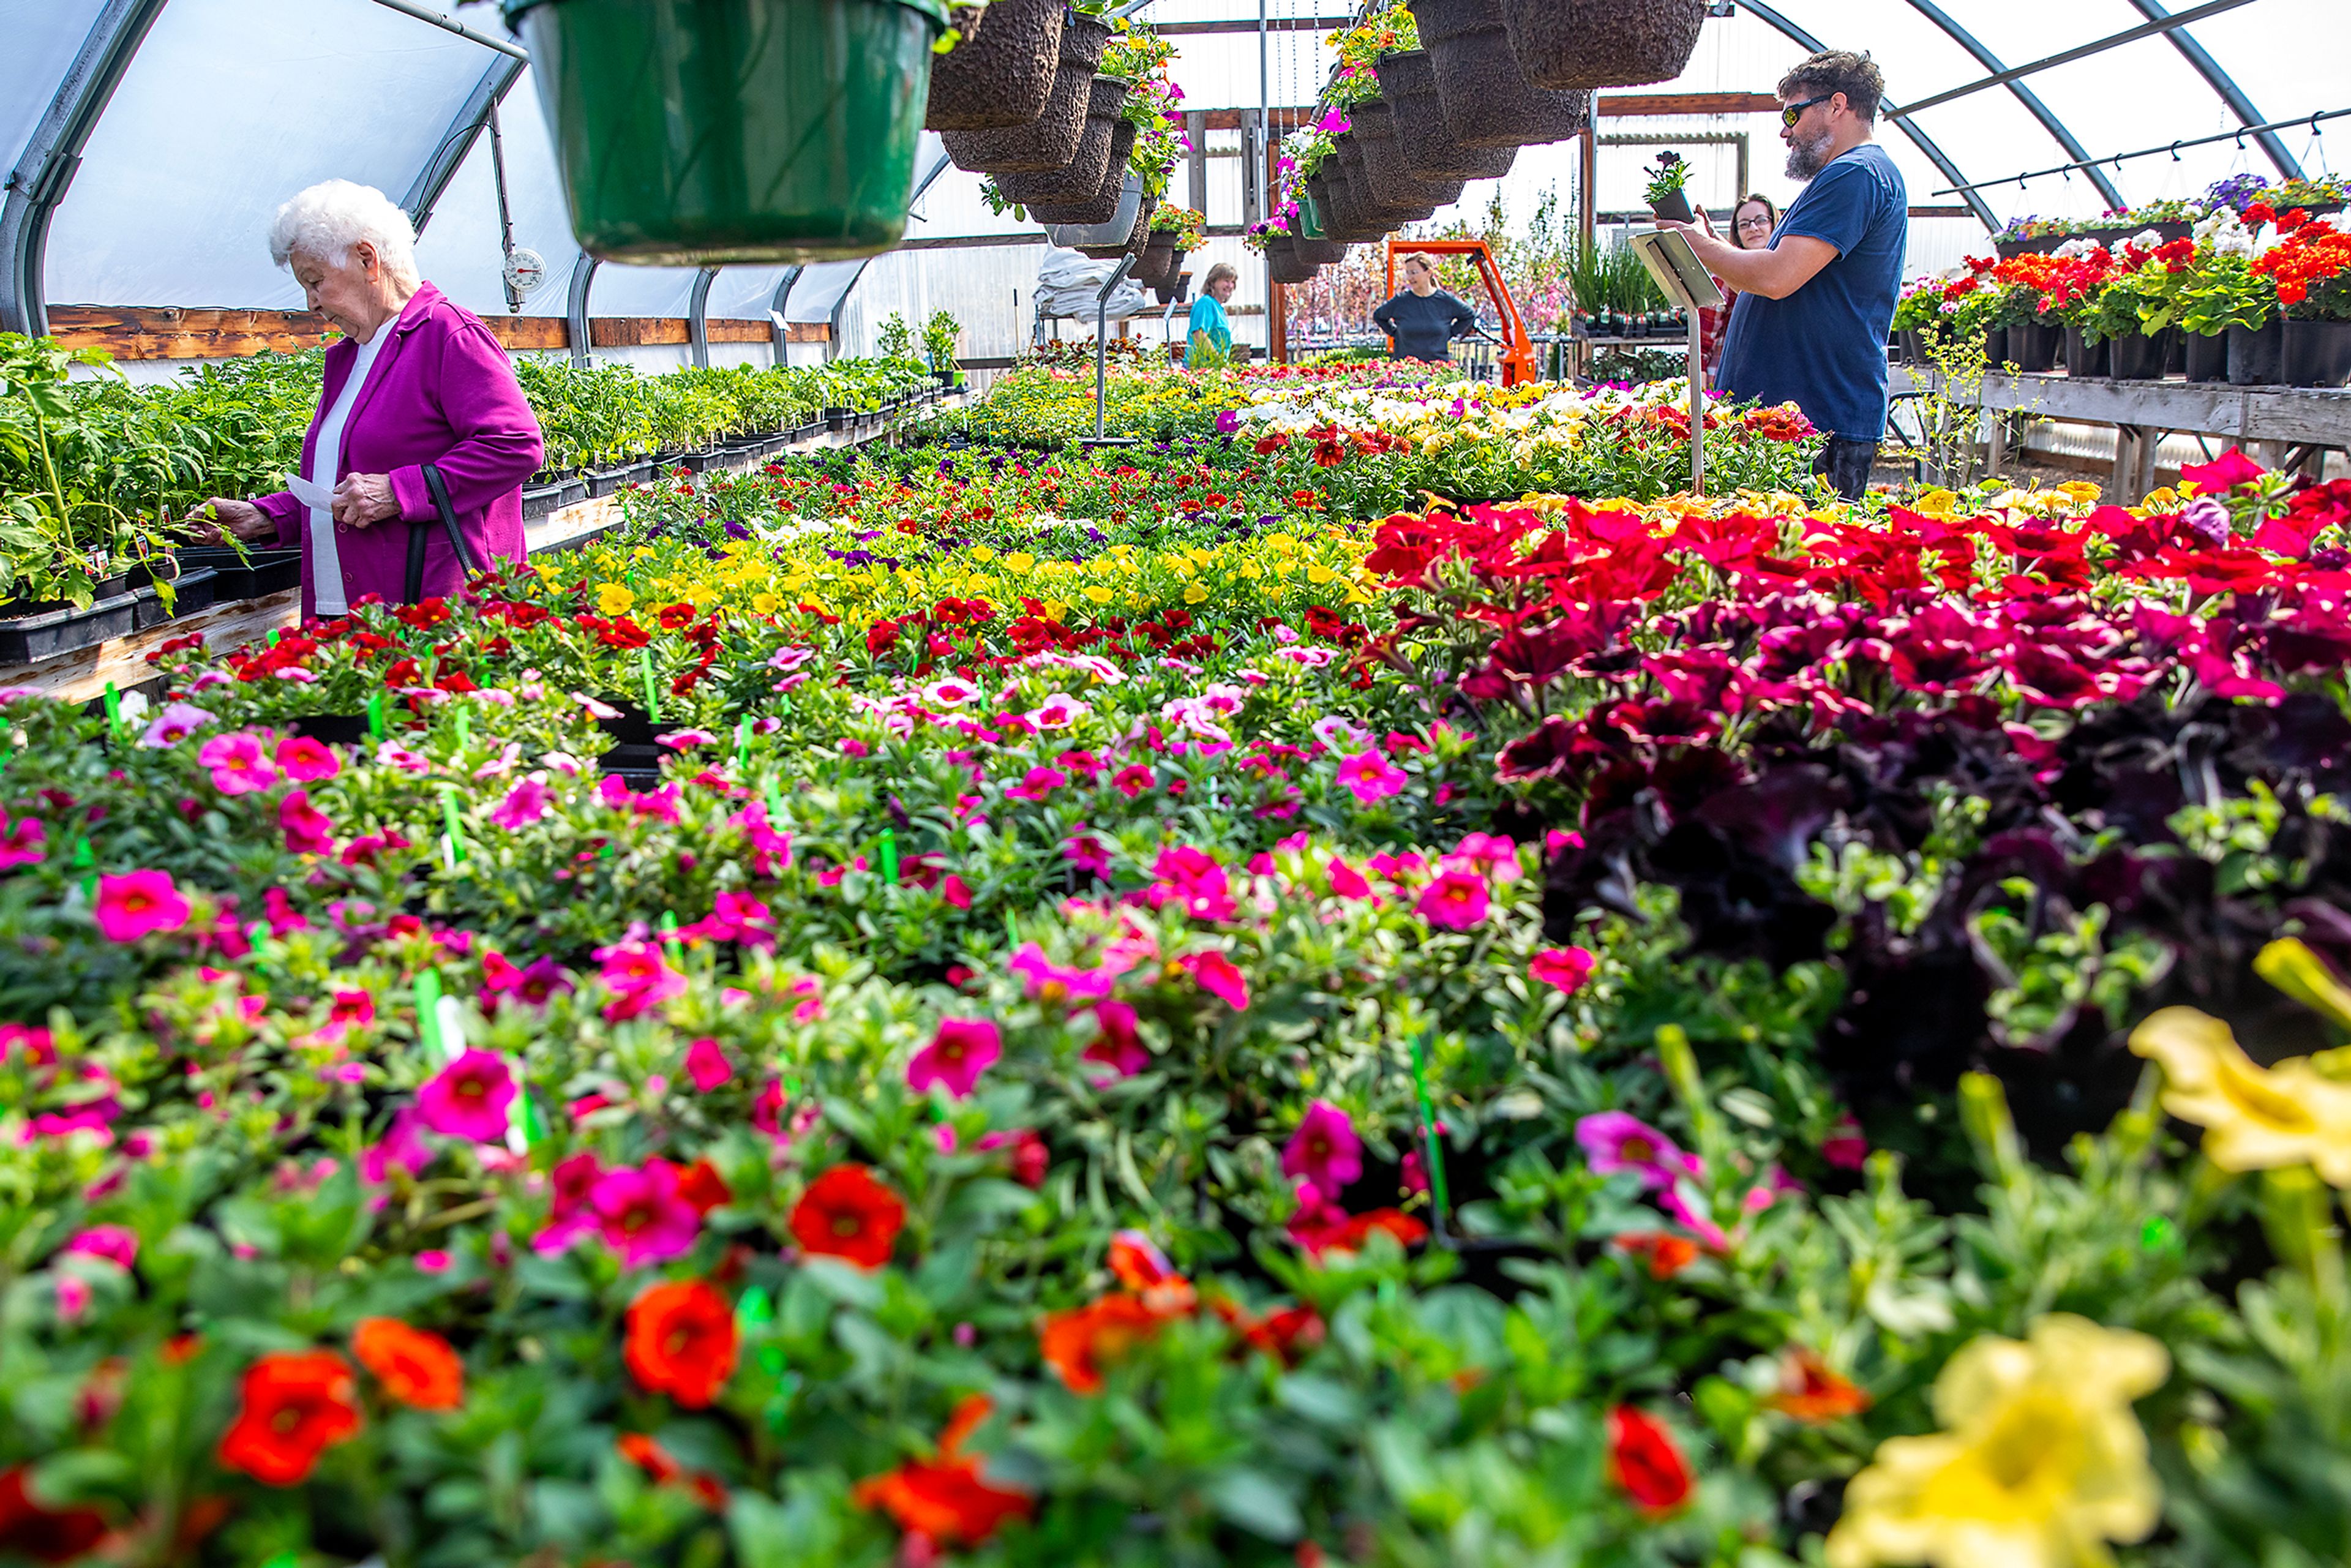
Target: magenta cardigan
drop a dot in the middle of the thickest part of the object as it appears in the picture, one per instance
(443, 393)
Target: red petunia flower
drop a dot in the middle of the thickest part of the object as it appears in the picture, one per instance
(43, 1534)
(415, 1366)
(682, 1342)
(1643, 1460)
(296, 1406)
(846, 1214)
(945, 1499)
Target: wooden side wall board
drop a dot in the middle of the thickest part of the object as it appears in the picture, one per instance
(177, 332)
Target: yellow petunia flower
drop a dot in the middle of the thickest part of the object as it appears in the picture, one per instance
(1195, 594)
(611, 598)
(2255, 1118)
(2041, 1463)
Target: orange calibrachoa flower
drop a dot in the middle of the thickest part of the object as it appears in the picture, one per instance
(846, 1214)
(415, 1366)
(647, 1454)
(682, 1342)
(1811, 1392)
(1077, 1344)
(1643, 1460)
(945, 1499)
(1666, 1253)
(296, 1406)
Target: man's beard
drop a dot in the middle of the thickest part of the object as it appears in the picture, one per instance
(1806, 158)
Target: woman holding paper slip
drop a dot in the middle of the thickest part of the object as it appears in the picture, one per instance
(421, 421)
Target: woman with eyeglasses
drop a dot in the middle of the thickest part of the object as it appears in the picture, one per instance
(1752, 222)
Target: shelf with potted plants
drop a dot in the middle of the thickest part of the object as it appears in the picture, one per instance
(2173, 217)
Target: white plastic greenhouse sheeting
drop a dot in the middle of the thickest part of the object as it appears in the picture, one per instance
(231, 105)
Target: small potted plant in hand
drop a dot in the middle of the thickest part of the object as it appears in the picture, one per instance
(941, 334)
(1666, 182)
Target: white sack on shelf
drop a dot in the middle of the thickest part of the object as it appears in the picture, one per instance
(1067, 282)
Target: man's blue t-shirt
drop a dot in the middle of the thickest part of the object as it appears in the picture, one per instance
(1824, 347)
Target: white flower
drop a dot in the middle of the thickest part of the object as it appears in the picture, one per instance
(2147, 239)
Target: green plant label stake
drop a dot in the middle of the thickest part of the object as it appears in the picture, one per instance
(451, 826)
(376, 716)
(742, 741)
(652, 692)
(113, 708)
(890, 856)
(775, 803)
(428, 1014)
(1428, 1132)
(669, 942)
(87, 863)
(465, 729)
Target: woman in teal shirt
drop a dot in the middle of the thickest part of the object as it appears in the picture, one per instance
(1212, 333)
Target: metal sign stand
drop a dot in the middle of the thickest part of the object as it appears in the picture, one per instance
(1101, 351)
(1667, 255)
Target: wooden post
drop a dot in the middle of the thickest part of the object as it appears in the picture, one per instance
(1587, 199)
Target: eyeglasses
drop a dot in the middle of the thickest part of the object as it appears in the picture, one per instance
(1757, 221)
(1796, 111)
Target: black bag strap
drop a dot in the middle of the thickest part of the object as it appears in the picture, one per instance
(417, 533)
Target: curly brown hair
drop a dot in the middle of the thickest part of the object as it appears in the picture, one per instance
(1834, 71)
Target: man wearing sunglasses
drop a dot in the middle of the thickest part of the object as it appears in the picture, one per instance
(1813, 310)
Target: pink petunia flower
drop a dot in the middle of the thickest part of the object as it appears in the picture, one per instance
(1058, 712)
(138, 904)
(639, 979)
(1566, 967)
(1055, 982)
(1372, 777)
(1037, 784)
(307, 760)
(1616, 1141)
(22, 843)
(1192, 878)
(525, 803)
(1324, 1150)
(1118, 1047)
(239, 765)
(573, 1184)
(1214, 973)
(400, 1147)
(642, 1215)
(469, 1098)
(175, 723)
(685, 739)
(1457, 900)
(1845, 1148)
(959, 1053)
(116, 1244)
(308, 830)
(707, 1066)
(1346, 881)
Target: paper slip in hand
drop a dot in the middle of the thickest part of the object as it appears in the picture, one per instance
(311, 494)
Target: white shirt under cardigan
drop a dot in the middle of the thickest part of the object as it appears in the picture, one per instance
(326, 472)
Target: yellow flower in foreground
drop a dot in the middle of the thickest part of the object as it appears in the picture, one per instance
(2041, 1463)
(611, 598)
(2256, 1118)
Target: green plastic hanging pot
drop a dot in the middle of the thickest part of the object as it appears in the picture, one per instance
(697, 131)
(1310, 217)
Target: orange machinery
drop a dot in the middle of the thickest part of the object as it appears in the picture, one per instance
(1517, 350)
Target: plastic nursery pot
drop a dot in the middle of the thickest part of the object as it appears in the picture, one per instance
(2141, 357)
(1674, 204)
(1487, 98)
(1000, 72)
(2316, 354)
(1081, 179)
(2255, 353)
(1996, 347)
(1383, 171)
(1563, 44)
(2083, 358)
(694, 131)
(1051, 141)
(1408, 82)
(1281, 261)
(2034, 346)
(2207, 356)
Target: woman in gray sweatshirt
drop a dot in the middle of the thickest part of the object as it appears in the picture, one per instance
(1423, 320)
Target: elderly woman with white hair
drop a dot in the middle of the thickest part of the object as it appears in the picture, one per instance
(422, 438)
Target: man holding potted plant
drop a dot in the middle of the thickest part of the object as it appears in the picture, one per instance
(1810, 326)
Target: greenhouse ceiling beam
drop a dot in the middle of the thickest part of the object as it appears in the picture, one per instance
(2171, 147)
(465, 130)
(2230, 92)
(2024, 95)
(697, 317)
(451, 24)
(780, 328)
(40, 182)
(1919, 139)
(2161, 23)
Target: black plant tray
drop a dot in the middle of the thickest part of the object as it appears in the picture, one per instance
(631, 726)
(261, 573)
(49, 634)
(196, 588)
(335, 728)
(638, 767)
